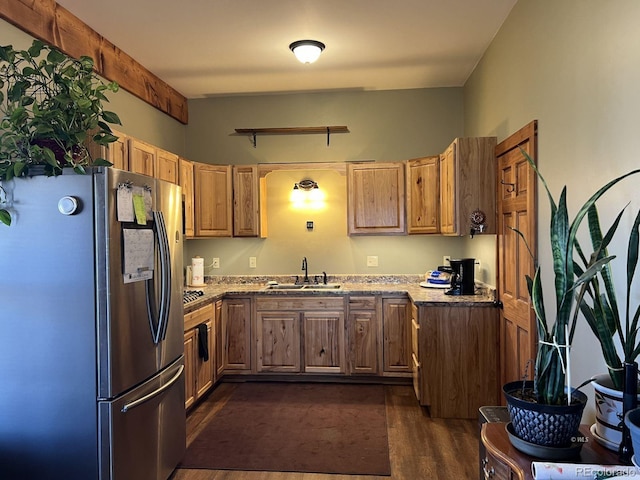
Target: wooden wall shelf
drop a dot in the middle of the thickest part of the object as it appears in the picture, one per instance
(254, 132)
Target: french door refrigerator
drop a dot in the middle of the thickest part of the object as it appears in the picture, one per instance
(91, 328)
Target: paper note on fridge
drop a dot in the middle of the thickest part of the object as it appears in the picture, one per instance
(138, 254)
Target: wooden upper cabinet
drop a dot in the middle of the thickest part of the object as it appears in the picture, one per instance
(118, 152)
(423, 191)
(213, 200)
(186, 182)
(166, 167)
(246, 201)
(142, 157)
(375, 198)
(467, 184)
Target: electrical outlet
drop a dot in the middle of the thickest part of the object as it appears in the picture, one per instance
(446, 260)
(216, 263)
(478, 264)
(252, 262)
(372, 261)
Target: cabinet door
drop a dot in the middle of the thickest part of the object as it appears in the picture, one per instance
(447, 190)
(189, 368)
(205, 368)
(323, 342)
(219, 353)
(118, 152)
(363, 329)
(246, 201)
(375, 198)
(278, 341)
(237, 334)
(213, 190)
(460, 360)
(415, 352)
(423, 191)
(142, 157)
(186, 182)
(396, 327)
(166, 166)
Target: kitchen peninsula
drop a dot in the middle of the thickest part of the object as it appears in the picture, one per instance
(376, 329)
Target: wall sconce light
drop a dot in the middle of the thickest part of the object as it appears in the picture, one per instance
(307, 51)
(306, 194)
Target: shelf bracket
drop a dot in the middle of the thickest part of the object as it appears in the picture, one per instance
(254, 139)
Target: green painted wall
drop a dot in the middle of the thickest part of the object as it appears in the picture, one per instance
(572, 65)
(383, 126)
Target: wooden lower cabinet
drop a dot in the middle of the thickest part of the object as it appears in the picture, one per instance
(219, 340)
(396, 328)
(199, 372)
(278, 341)
(363, 327)
(297, 334)
(236, 332)
(457, 356)
(323, 341)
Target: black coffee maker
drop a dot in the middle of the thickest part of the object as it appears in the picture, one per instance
(462, 278)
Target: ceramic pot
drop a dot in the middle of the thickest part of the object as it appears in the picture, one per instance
(609, 412)
(632, 421)
(541, 424)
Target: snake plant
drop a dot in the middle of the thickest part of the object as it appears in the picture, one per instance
(600, 306)
(556, 330)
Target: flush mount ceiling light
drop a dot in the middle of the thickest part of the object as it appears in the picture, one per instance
(307, 51)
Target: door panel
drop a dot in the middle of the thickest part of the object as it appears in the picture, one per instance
(517, 200)
(145, 440)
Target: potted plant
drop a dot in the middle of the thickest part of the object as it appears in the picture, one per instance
(547, 411)
(616, 329)
(51, 108)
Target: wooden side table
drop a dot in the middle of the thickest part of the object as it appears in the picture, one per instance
(504, 462)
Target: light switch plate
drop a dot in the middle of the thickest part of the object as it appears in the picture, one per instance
(372, 261)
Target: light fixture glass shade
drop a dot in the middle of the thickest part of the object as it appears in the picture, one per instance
(307, 51)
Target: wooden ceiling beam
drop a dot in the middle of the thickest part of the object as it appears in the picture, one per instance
(55, 25)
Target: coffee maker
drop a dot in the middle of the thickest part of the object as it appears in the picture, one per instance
(462, 278)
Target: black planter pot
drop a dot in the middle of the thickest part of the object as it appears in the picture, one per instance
(541, 424)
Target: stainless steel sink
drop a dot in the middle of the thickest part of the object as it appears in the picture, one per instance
(297, 286)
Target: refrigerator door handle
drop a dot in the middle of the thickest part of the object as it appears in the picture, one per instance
(128, 406)
(159, 329)
(165, 295)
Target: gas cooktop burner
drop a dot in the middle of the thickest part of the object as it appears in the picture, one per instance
(191, 295)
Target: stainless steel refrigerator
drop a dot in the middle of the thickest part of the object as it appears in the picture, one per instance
(91, 328)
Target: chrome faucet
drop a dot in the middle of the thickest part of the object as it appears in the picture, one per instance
(305, 269)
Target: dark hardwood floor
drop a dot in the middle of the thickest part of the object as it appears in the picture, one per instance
(419, 447)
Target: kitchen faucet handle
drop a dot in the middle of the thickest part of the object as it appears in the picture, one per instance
(324, 277)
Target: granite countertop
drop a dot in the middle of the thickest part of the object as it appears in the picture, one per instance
(218, 287)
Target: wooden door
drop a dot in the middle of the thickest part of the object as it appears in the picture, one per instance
(246, 201)
(236, 327)
(423, 191)
(213, 199)
(142, 157)
(278, 341)
(517, 200)
(186, 182)
(166, 166)
(396, 327)
(375, 198)
(323, 342)
(205, 369)
(447, 190)
(189, 368)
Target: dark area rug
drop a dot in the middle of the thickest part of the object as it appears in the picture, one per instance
(297, 427)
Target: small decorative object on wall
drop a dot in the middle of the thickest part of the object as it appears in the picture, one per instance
(478, 222)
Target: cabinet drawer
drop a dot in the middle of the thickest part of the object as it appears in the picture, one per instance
(362, 303)
(197, 317)
(299, 303)
(493, 469)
